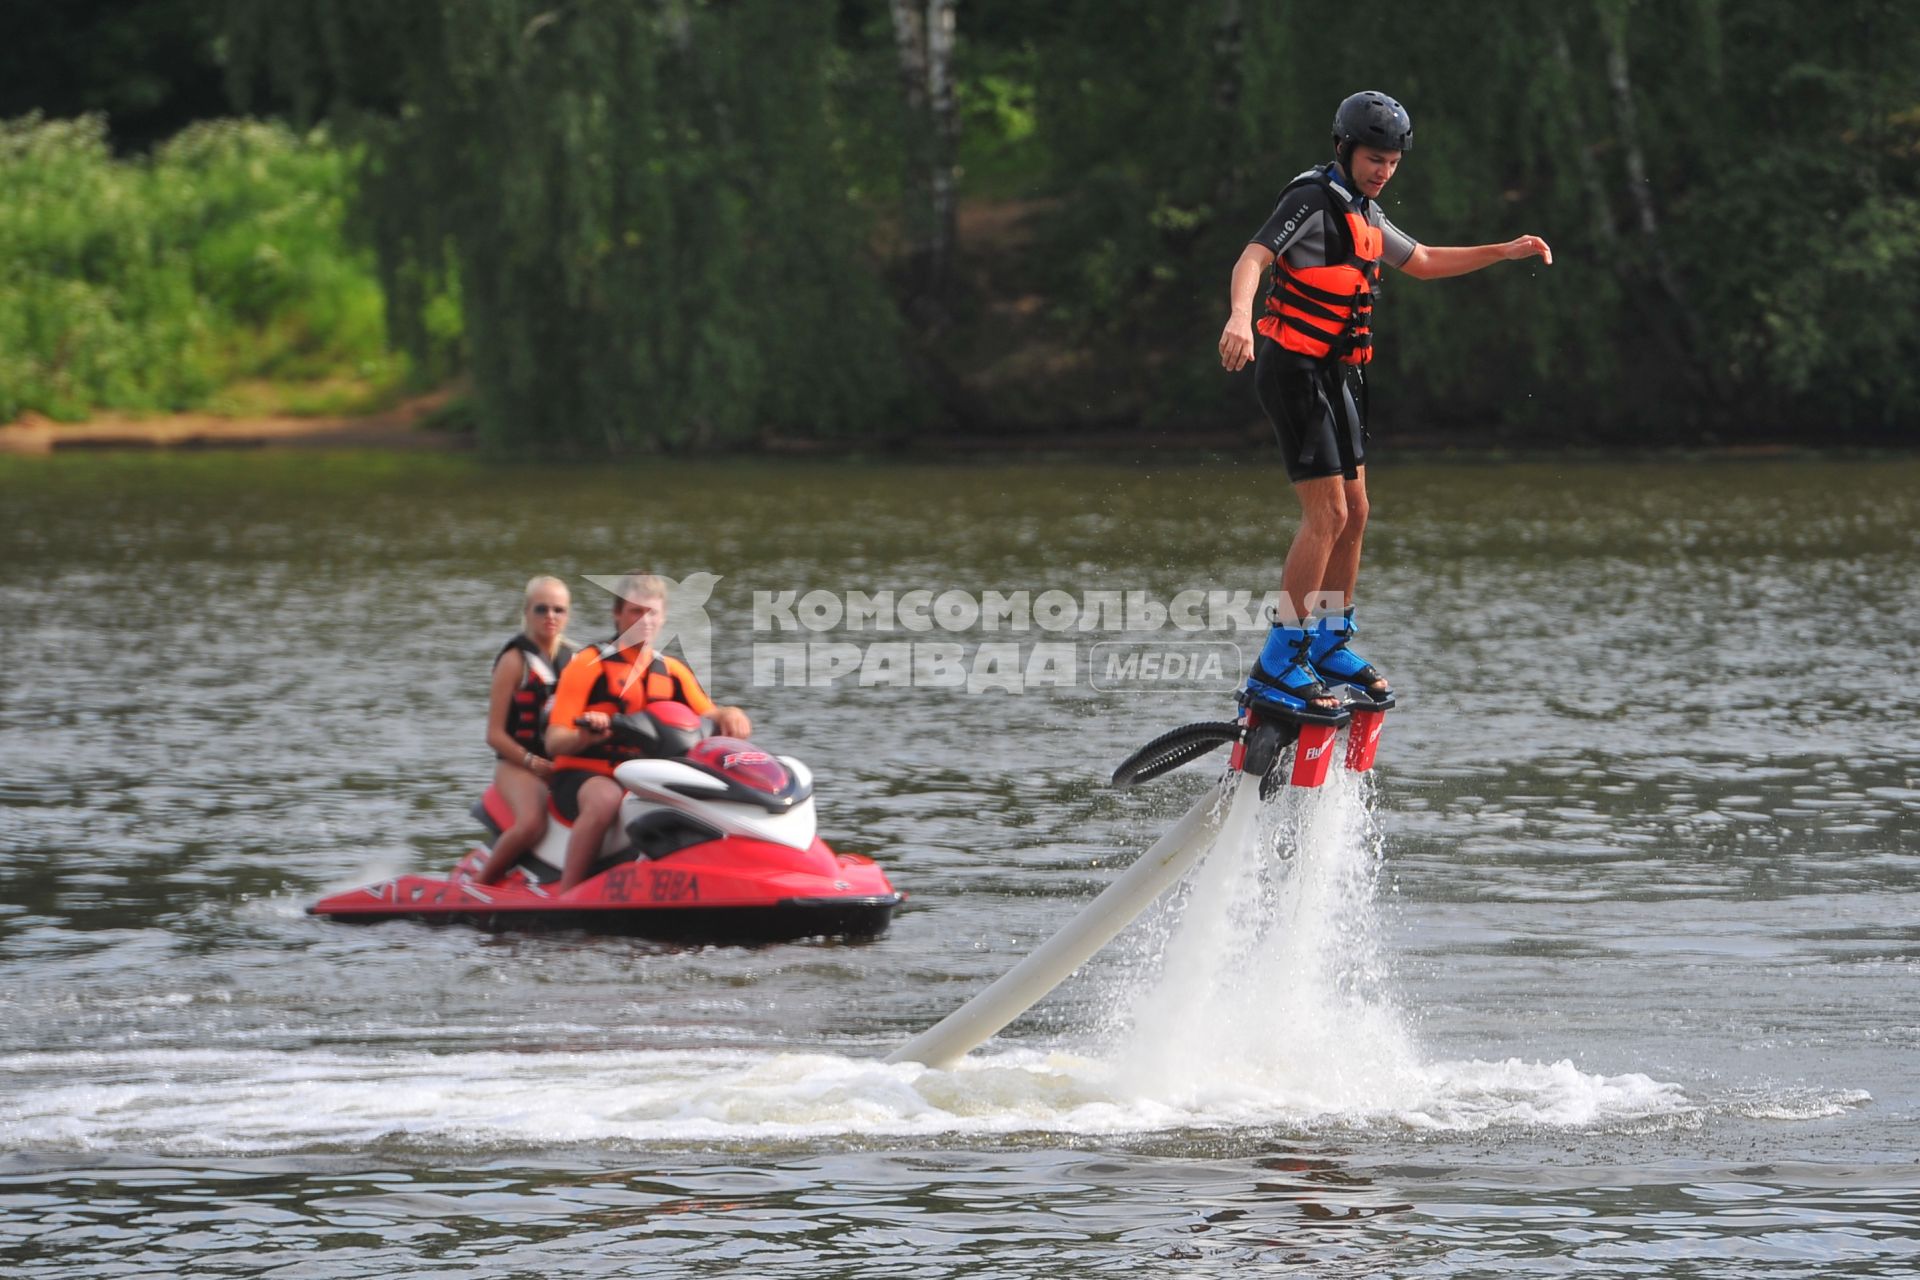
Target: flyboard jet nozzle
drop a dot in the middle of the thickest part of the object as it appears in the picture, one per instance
(1259, 736)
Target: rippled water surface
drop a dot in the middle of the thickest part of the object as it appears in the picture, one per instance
(1611, 968)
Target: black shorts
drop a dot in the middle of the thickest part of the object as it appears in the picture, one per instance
(563, 790)
(1318, 409)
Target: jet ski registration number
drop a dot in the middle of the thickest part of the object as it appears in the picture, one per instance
(662, 885)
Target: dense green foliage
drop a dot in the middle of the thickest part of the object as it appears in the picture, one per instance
(152, 67)
(642, 203)
(153, 284)
(684, 223)
(1781, 160)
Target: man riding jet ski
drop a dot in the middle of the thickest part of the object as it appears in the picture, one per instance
(603, 681)
(713, 840)
(667, 822)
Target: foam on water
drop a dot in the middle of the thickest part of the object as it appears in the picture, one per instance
(1263, 998)
(246, 1101)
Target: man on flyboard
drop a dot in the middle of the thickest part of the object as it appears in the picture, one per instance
(1326, 241)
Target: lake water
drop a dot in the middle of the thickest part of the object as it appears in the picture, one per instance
(1610, 968)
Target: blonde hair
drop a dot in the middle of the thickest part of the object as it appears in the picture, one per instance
(536, 582)
(637, 584)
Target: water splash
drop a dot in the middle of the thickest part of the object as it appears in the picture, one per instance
(1267, 988)
(254, 1101)
(1268, 974)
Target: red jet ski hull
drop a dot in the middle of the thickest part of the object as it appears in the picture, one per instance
(730, 890)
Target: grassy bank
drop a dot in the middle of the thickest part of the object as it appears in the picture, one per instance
(214, 274)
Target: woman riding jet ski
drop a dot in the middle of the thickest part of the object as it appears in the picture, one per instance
(713, 841)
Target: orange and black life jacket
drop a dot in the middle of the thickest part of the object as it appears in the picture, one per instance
(618, 688)
(1327, 311)
(527, 709)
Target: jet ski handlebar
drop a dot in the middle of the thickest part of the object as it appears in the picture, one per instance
(663, 729)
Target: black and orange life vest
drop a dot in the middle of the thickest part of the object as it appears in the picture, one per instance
(618, 688)
(1327, 312)
(527, 708)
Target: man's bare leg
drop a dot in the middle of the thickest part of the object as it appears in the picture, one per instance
(1322, 517)
(1342, 573)
(1343, 564)
(1323, 521)
(599, 802)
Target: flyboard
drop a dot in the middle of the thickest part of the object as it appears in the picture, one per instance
(1256, 769)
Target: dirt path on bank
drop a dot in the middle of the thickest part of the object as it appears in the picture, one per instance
(396, 428)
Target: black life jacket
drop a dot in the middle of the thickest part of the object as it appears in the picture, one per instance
(527, 709)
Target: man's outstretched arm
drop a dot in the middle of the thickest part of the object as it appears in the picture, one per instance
(1437, 262)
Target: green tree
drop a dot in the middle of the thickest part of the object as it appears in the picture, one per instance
(644, 205)
(149, 66)
(159, 282)
(1730, 191)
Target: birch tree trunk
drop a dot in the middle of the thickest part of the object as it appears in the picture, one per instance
(942, 24)
(924, 34)
(910, 38)
(1229, 39)
(1229, 49)
(1613, 21)
(1605, 237)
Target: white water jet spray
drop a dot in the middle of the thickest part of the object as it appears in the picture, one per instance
(1270, 977)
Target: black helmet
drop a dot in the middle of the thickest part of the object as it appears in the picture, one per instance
(1371, 119)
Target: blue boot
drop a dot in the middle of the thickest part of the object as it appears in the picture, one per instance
(1281, 681)
(1334, 662)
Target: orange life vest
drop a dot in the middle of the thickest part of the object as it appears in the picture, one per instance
(615, 687)
(1327, 312)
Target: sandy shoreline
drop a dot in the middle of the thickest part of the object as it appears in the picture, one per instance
(402, 428)
(396, 428)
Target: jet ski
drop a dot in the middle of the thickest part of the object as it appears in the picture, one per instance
(714, 842)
